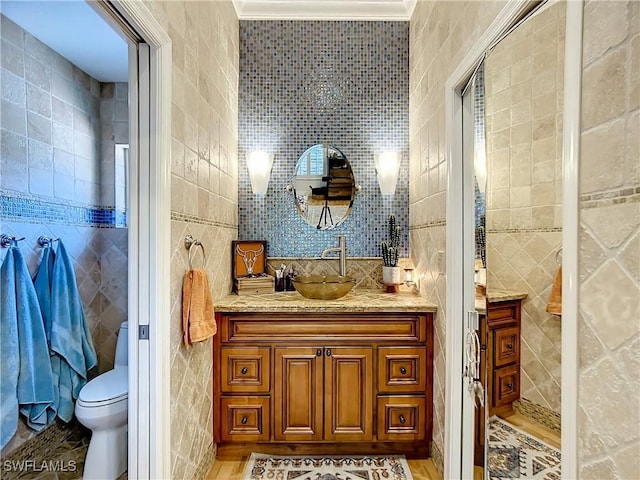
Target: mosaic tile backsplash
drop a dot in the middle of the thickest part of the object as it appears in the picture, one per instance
(340, 83)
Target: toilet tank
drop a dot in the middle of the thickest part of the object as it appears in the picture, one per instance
(122, 346)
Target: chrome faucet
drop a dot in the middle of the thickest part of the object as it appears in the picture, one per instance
(342, 251)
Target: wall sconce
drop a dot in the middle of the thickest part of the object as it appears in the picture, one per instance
(259, 165)
(387, 169)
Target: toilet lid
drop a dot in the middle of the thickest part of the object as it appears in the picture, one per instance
(108, 386)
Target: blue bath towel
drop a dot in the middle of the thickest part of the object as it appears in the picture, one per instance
(42, 284)
(10, 351)
(27, 379)
(72, 352)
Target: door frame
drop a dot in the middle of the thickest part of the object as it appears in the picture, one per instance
(458, 455)
(149, 439)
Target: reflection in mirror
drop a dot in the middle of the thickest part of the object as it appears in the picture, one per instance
(480, 173)
(324, 186)
(524, 91)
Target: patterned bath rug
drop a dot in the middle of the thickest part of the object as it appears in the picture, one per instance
(306, 467)
(516, 454)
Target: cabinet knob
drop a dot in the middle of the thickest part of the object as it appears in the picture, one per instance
(509, 386)
(319, 352)
(403, 371)
(328, 352)
(402, 419)
(510, 346)
(244, 370)
(244, 420)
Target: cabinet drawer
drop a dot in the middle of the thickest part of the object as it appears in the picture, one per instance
(505, 346)
(245, 419)
(506, 385)
(401, 418)
(503, 313)
(245, 369)
(317, 327)
(402, 369)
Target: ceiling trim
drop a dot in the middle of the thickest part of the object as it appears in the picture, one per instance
(394, 10)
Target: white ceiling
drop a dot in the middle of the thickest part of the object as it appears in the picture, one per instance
(324, 9)
(75, 31)
(78, 33)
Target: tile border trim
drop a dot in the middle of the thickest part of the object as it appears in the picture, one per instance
(434, 223)
(526, 230)
(606, 199)
(19, 208)
(184, 217)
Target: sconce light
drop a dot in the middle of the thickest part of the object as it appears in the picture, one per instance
(259, 165)
(387, 168)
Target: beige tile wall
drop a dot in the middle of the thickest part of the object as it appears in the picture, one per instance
(441, 33)
(609, 256)
(524, 90)
(50, 146)
(204, 198)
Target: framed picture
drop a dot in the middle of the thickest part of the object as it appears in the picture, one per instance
(249, 257)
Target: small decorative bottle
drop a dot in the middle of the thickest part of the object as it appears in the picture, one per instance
(288, 284)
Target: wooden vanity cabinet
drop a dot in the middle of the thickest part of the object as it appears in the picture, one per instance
(499, 364)
(502, 336)
(291, 382)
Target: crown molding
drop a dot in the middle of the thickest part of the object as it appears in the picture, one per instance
(394, 10)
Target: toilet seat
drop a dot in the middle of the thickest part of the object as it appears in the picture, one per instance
(106, 389)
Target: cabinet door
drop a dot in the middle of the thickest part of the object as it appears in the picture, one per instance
(348, 394)
(298, 393)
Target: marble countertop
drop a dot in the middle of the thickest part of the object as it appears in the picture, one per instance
(497, 296)
(358, 300)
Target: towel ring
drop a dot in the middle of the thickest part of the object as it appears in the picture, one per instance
(189, 243)
(559, 256)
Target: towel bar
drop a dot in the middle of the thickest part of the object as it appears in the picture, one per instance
(189, 243)
(8, 240)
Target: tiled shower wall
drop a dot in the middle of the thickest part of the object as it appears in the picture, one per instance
(340, 83)
(441, 34)
(524, 105)
(609, 256)
(51, 180)
(114, 129)
(204, 201)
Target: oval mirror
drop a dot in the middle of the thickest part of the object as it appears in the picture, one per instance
(323, 187)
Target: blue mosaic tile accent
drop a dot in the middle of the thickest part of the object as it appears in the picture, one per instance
(18, 208)
(341, 83)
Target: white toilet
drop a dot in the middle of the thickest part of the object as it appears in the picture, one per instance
(102, 407)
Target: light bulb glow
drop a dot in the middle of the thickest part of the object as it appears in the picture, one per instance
(387, 169)
(259, 165)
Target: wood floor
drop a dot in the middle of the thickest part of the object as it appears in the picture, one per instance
(533, 428)
(231, 468)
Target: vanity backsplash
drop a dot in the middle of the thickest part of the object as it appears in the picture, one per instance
(367, 271)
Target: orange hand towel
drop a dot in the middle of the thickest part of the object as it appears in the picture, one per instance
(554, 307)
(198, 322)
